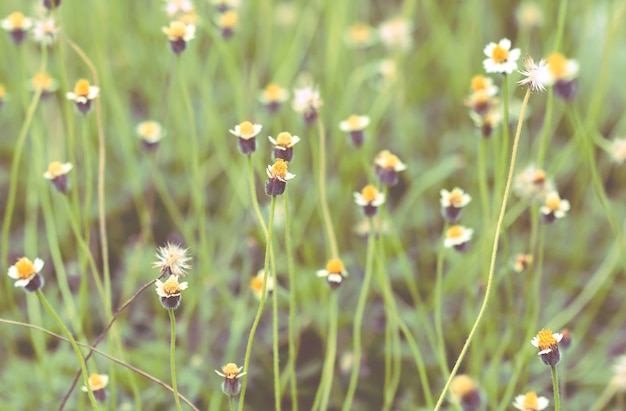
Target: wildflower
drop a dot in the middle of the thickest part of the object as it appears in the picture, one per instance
(387, 166)
(532, 184)
(177, 7)
(547, 343)
(284, 143)
(189, 18)
(530, 402)
(224, 5)
(355, 125)
(458, 237)
(619, 379)
(52, 4)
(83, 94)
(169, 291)
(359, 35)
(521, 262)
(464, 392)
(57, 173)
(42, 81)
(395, 33)
(17, 25)
(45, 31)
(563, 74)
(529, 15)
(481, 102)
(537, 75)
(566, 341)
(370, 199)
(500, 57)
(482, 83)
(97, 383)
(272, 96)
(227, 23)
(179, 34)
(26, 273)
(618, 150)
(150, 133)
(2, 95)
(278, 176)
(307, 101)
(247, 132)
(386, 72)
(231, 373)
(334, 273)
(256, 285)
(172, 259)
(554, 207)
(488, 122)
(453, 202)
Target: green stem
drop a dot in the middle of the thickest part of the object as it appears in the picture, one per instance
(560, 24)
(505, 198)
(261, 304)
(173, 356)
(555, 387)
(439, 303)
(292, 307)
(69, 336)
(332, 241)
(275, 352)
(331, 352)
(504, 148)
(231, 403)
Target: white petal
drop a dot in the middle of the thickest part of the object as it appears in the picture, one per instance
(542, 403)
(22, 283)
(13, 273)
(505, 43)
(322, 273)
(38, 264)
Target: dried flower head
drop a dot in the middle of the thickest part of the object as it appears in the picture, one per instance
(547, 343)
(172, 259)
(334, 273)
(500, 57)
(537, 75)
(46, 31)
(26, 273)
(530, 402)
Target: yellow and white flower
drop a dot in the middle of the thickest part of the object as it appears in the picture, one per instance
(530, 402)
(500, 57)
(26, 273)
(458, 236)
(256, 284)
(334, 273)
(547, 343)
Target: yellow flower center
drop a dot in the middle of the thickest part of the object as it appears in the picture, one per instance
(360, 33)
(257, 284)
(462, 385)
(230, 370)
(246, 128)
(455, 231)
(553, 201)
(531, 402)
(456, 196)
(25, 268)
(335, 266)
(545, 339)
(369, 193)
(171, 287)
(148, 128)
(386, 160)
(177, 29)
(539, 178)
(499, 54)
(480, 97)
(229, 19)
(354, 122)
(284, 139)
(190, 17)
(42, 81)
(81, 88)
(17, 20)
(557, 64)
(55, 168)
(272, 92)
(479, 83)
(96, 382)
(279, 169)
(2, 92)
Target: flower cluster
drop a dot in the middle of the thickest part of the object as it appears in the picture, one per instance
(452, 204)
(172, 259)
(533, 185)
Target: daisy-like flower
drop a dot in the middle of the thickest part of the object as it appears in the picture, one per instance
(231, 373)
(387, 166)
(619, 379)
(530, 402)
(529, 15)
(227, 22)
(83, 94)
(42, 81)
(618, 150)
(17, 25)
(284, 143)
(176, 7)
(481, 102)
(537, 75)
(169, 291)
(45, 31)
(500, 57)
(247, 132)
(370, 199)
(396, 33)
(354, 125)
(334, 273)
(521, 262)
(532, 184)
(52, 4)
(26, 273)
(307, 101)
(278, 177)
(57, 174)
(458, 237)
(172, 259)
(554, 207)
(359, 35)
(482, 83)
(98, 384)
(256, 285)
(453, 202)
(463, 391)
(547, 343)
(225, 5)
(563, 73)
(150, 132)
(488, 122)
(179, 34)
(272, 96)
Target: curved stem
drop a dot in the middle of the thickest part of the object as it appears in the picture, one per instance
(173, 356)
(292, 308)
(332, 240)
(505, 198)
(555, 387)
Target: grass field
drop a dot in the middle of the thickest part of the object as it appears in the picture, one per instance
(395, 313)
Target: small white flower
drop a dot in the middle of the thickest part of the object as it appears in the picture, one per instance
(83, 92)
(395, 33)
(279, 170)
(45, 31)
(455, 198)
(284, 140)
(178, 30)
(618, 150)
(530, 402)
(543, 341)
(246, 130)
(174, 7)
(537, 75)
(354, 123)
(16, 21)
(306, 99)
(500, 57)
(385, 159)
(150, 131)
(369, 196)
(170, 288)
(25, 270)
(457, 235)
(57, 169)
(561, 68)
(555, 205)
(256, 285)
(619, 379)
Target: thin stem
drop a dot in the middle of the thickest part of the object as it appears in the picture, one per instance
(231, 403)
(275, 353)
(331, 351)
(69, 336)
(332, 241)
(560, 25)
(358, 317)
(439, 303)
(261, 304)
(555, 387)
(292, 307)
(505, 198)
(173, 356)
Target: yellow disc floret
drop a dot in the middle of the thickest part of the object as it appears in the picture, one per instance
(456, 196)
(279, 169)
(369, 193)
(246, 129)
(42, 81)
(334, 266)
(55, 169)
(455, 231)
(284, 139)
(148, 128)
(545, 339)
(531, 402)
(177, 30)
(499, 54)
(96, 382)
(354, 122)
(229, 19)
(273, 92)
(557, 64)
(17, 20)
(479, 83)
(231, 371)
(171, 287)
(539, 178)
(25, 268)
(81, 88)
(360, 33)
(2, 91)
(553, 201)
(462, 385)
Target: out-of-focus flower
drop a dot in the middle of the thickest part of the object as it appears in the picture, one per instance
(98, 384)
(370, 199)
(488, 122)
(387, 166)
(169, 291)
(530, 402)
(45, 31)
(619, 379)
(2, 95)
(500, 57)
(521, 262)
(464, 392)
(554, 207)
(83, 94)
(17, 25)
(247, 131)
(458, 237)
(566, 341)
(225, 5)
(334, 273)
(172, 259)
(537, 75)
(231, 373)
(26, 273)
(284, 143)
(482, 83)
(396, 33)
(57, 173)
(52, 4)
(256, 285)
(179, 34)
(359, 35)
(453, 202)
(42, 81)
(532, 184)
(529, 14)
(272, 96)
(380, 227)
(227, 22)
(307, 101)
(278, 177)
(563, 73)
(150, 132)
(176, 7)
(547, 343)
(354, 125)
(618, 150)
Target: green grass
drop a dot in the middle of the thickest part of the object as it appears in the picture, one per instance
(194, 190)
